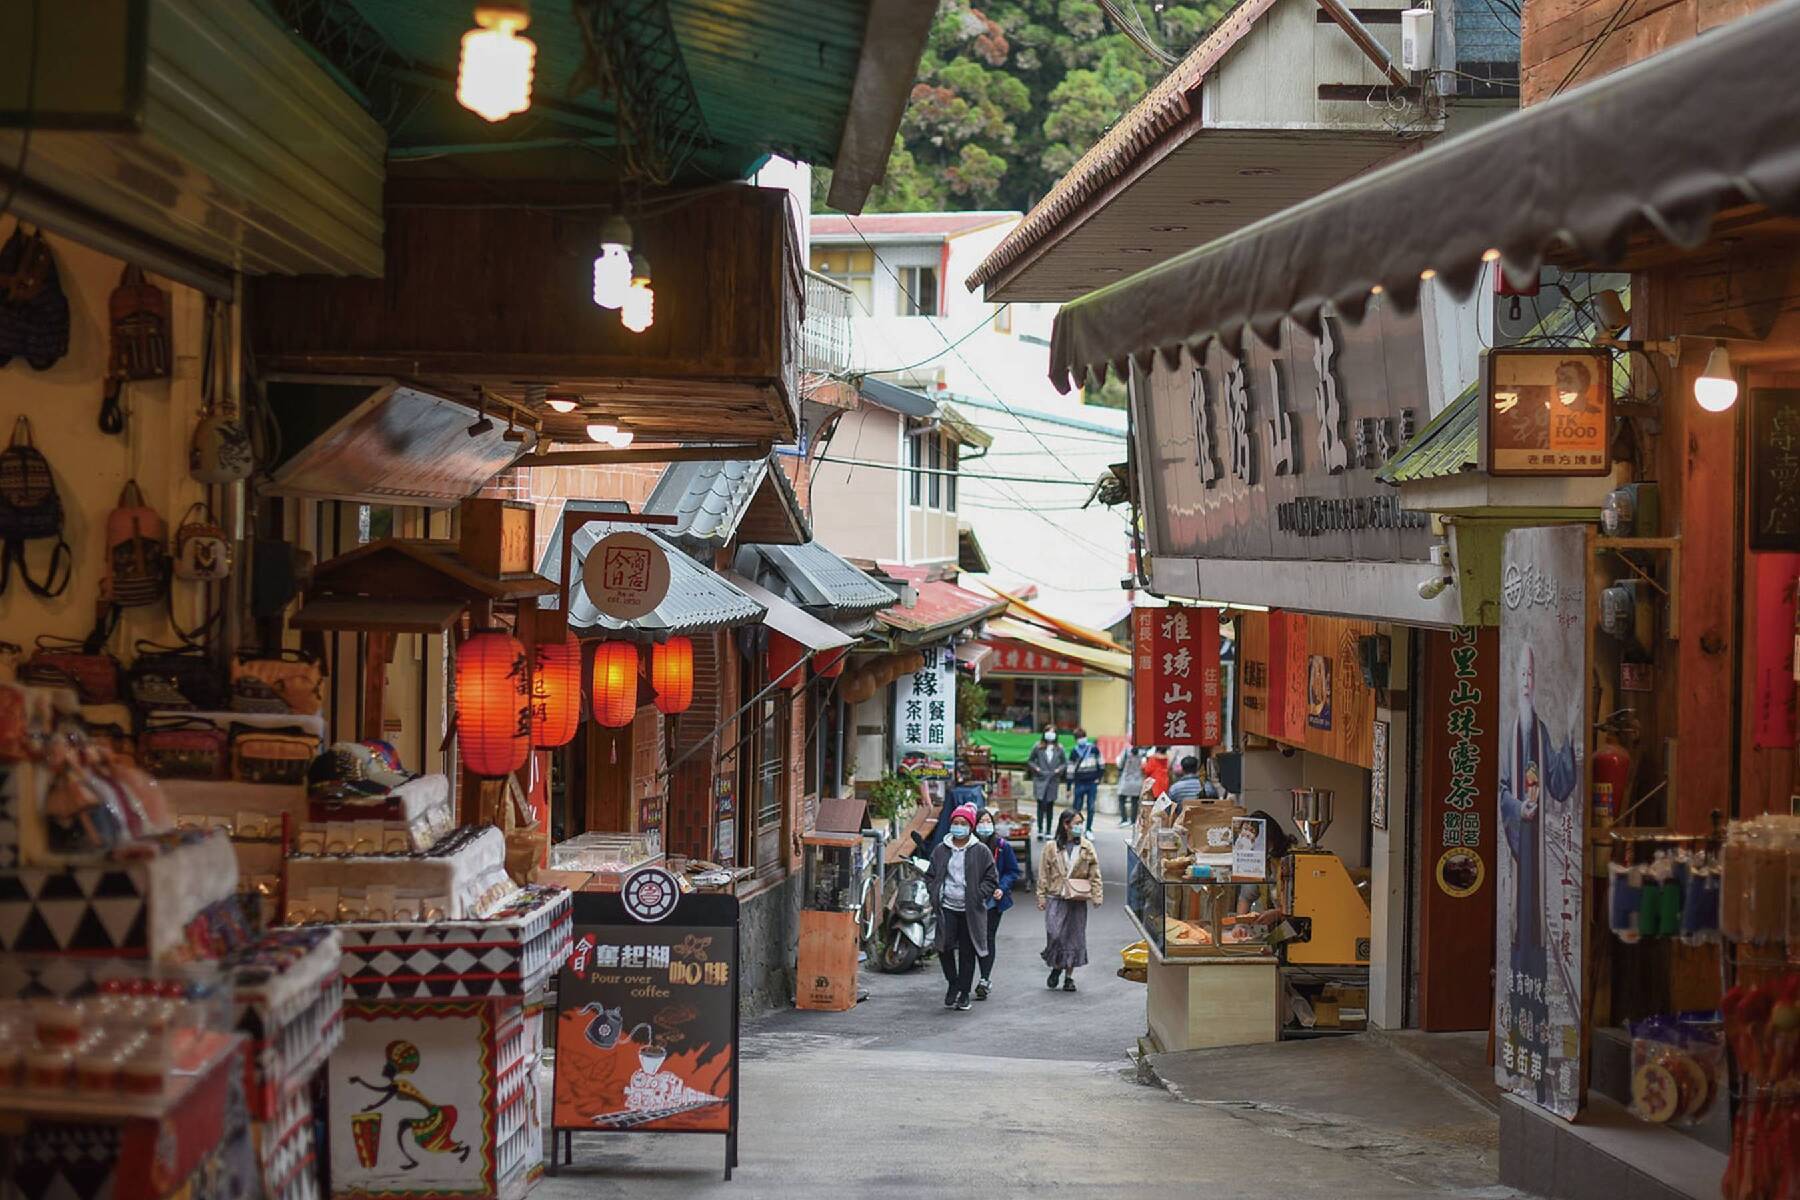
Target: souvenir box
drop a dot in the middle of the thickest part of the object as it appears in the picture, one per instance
(287, 1150)
(423, 806)
(512, 953)
(461, 878)
(289, 996)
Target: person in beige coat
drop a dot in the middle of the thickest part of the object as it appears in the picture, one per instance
(1068, 884)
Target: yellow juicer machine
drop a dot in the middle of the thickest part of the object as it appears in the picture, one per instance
(1330, 913)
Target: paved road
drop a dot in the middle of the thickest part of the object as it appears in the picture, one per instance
(1028, 1094)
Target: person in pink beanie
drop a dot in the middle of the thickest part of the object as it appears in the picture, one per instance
(961, 877)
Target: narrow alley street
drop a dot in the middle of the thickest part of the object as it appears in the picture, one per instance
(1034, 1092)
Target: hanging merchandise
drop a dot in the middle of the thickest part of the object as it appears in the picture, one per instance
(82, 665)
(139, 311)
(291, 681)
(184, 748)
(202, 549)
(493, 703)
(220, 451)
(615, 684)
(34, 313)
(137, 552)
(173, 678)
(1762, 1027)
(556, 693)
(30, 510)
(672, 675)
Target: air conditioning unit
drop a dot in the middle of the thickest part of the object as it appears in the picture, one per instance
(1417, 49)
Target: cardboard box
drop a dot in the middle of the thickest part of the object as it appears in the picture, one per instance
(1350, 1005)
(1208, 825)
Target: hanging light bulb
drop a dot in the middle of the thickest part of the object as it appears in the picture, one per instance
(621, 438)
(561, 404)
(1716, 389)
(601, 431)
(612, 270)
(639, 309)
(493, 80)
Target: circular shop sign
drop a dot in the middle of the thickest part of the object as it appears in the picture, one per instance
(650, 894)
(1460, 873)
(626, 575)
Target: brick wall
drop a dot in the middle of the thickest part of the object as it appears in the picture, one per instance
(1566, 43)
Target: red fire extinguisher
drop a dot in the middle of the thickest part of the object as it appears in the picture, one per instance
(1612, 776)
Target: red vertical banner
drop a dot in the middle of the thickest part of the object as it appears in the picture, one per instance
(1294, 678)
(1175, 676)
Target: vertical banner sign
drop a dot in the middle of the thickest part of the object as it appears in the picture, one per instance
(925, 706)
(647, 1014)
(1543, 815)
(1175, 676)
(1460, 731)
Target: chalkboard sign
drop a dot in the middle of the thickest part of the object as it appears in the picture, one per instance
(647, 1020)
(1774, 469)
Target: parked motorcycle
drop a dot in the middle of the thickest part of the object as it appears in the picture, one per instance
(908, 929)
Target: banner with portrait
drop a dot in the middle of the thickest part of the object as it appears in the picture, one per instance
(1543, 816)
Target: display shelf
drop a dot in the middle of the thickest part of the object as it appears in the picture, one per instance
(212, 1048)
(513, 953)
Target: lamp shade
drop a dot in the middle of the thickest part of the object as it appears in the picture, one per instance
(556, 693)
(493, 703)
(785, 656)
(672, 675)
(615, 683)
(830, 664)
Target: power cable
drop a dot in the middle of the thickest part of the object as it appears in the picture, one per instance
(851, 376)
(1606, 31)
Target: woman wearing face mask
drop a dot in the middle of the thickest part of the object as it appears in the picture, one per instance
(961, 879)
(1068, 883)
(1045, 766)
(1006, 866)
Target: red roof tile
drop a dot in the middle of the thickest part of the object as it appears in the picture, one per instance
(941, 604)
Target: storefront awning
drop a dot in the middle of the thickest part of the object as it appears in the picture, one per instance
(699, 599)
(974, 655)
(1573, 178)
(790, 620)
(1107, 662)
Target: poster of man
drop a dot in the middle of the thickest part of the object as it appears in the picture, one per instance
(1543, 724)
(1548, 411)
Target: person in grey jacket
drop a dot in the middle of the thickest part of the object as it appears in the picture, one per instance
(961, 878)
(1045, 766)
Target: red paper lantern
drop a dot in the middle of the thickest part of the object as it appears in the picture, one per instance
(672, 675)
(785, 653)
(493, 703)
(615, 683)
(556, 693)
(830, 664)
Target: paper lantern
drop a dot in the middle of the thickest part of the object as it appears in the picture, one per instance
(493, 703)
(830, 664)
(556, 693)
(672, 675)
(615, 683)
(786, 655)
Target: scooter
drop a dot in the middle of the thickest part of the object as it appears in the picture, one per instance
(908, 929)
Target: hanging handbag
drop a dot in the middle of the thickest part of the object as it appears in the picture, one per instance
(165, 677)
(137, 551)
(30, 510)
(64, 662)
(293, 676)
(184, 748)
(34, 313)
(220, 451)
(271, 755)
(202, 549)
(139, 312)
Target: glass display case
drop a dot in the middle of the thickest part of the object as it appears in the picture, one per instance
(1189, 916)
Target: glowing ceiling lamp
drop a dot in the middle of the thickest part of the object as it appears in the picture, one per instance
(493, 80)
(612, 270)
(562, 404)
(639, 309)
(1716, 388)
(602, 431)
(621, 438)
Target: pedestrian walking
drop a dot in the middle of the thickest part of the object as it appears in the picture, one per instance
(1156, 771)
(959, 881)
(1131, 783)
(1085, 769)
(1044, 766)
(1195, 781)
(1068, 885)
(1006, 867)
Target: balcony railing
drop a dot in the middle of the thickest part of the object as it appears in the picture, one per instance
(825, 334)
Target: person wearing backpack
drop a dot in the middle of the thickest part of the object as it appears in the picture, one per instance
(1085, 767)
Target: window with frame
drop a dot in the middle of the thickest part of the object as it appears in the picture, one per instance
(952, 464)
(915, 458)
(762, 778)
(935, 486)
(852, 267)
(918, 292)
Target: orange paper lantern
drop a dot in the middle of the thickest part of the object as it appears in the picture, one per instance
(672, 675)
(786, 653)
(615, 683)
(493, 703)
(556, 693)
(830, 664)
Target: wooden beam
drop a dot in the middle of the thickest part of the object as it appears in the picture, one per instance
(646, 454)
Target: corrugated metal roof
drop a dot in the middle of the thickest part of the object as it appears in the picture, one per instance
(817, 579)
(1166, 105)
(711, 499)
(699, 599)
(942, 607)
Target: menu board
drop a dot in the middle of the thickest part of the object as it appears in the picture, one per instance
(1774, 469)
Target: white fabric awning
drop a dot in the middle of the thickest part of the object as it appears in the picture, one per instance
(789, 619)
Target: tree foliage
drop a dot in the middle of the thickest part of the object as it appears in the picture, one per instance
(1011, 93)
